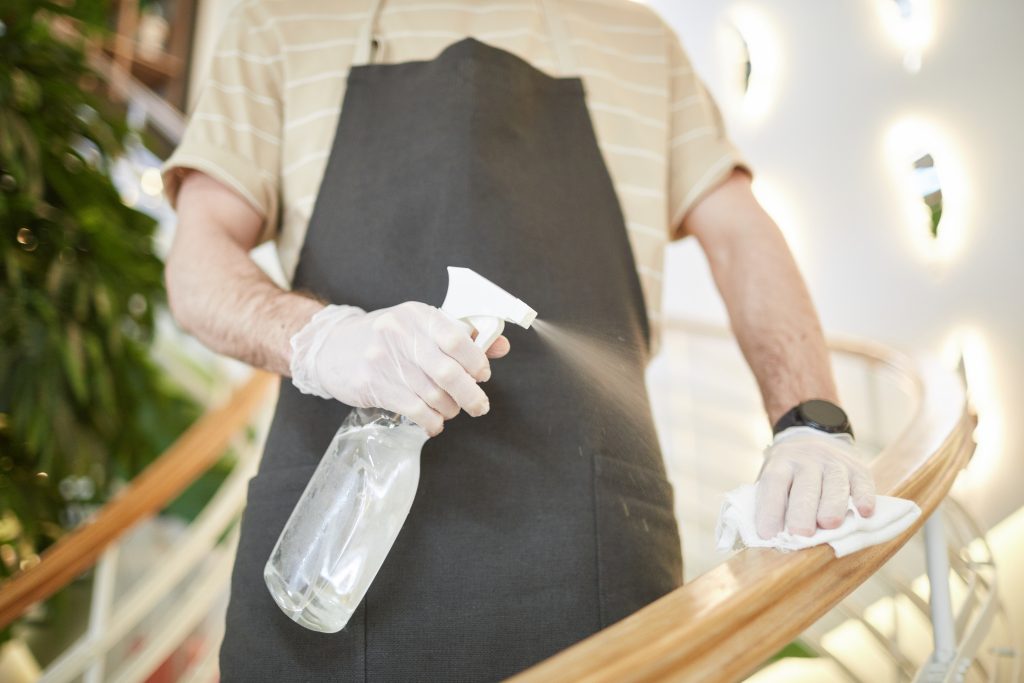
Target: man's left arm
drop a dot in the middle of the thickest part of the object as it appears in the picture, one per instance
(807, 483)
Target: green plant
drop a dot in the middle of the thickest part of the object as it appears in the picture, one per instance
(82, 406)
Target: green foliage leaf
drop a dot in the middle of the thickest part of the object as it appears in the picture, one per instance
(74, 361)
(79, 396)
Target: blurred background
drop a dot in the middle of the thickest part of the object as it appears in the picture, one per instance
(883, 136)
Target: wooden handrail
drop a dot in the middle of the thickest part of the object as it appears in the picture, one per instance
(192, 454)
(725, 623)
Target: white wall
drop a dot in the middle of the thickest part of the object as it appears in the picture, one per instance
(828, 85)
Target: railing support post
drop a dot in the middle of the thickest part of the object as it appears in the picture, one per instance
(939, 600)
(103, 582)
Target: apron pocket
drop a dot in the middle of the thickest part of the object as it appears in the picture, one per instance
(639, 552)
(636, 482)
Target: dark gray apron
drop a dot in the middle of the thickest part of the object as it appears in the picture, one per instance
(545, 520)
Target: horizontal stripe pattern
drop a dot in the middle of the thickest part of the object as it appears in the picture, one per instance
(266, 116)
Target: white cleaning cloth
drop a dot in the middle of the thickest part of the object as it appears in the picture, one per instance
(736, 525)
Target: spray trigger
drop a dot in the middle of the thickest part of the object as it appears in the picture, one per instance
(479, 302)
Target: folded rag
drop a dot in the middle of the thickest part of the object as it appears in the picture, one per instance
(736, 525)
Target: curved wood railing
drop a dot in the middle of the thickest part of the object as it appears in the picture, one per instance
(725, 623)
(192, 454)
(720, 626)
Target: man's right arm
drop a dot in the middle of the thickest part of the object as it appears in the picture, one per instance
(410, 358)
(216, 291)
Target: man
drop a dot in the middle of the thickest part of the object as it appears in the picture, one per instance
(554, 147)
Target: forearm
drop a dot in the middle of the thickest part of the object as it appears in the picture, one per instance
(770, 310)
(775, 323)
(218, 294)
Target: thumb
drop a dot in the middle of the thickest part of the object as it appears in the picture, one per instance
(499, 348)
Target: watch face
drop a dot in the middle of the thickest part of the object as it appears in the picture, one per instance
(823, 414)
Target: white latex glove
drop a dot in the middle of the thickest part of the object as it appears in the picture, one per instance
(807, 481)
(411, 359)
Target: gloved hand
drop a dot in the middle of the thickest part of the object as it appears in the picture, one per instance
(411, 359)
(807, 481)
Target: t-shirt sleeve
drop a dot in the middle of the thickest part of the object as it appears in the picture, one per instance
(234, 132)
(700, 154)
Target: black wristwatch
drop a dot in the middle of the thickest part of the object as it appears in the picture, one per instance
(817, 413)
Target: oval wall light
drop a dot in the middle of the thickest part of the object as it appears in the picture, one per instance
(911, 25)
(928, 177)
(750, 54)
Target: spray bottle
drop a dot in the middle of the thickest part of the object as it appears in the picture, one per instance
(357, 500)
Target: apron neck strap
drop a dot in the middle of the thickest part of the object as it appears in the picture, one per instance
(559, 36)
(366, 45)
(366, 42)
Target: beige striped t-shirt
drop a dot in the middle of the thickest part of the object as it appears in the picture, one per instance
(266, 114)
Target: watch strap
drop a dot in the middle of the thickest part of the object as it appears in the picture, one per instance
(818, 414)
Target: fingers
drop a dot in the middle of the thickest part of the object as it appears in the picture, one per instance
(772, 495)
(801, 517)
(434, 396)
(453, 378)
(862, 488)
(453, 340)
(499, 348)
(809, 480)
(413, 407)
(835, 496)
(416, 352)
